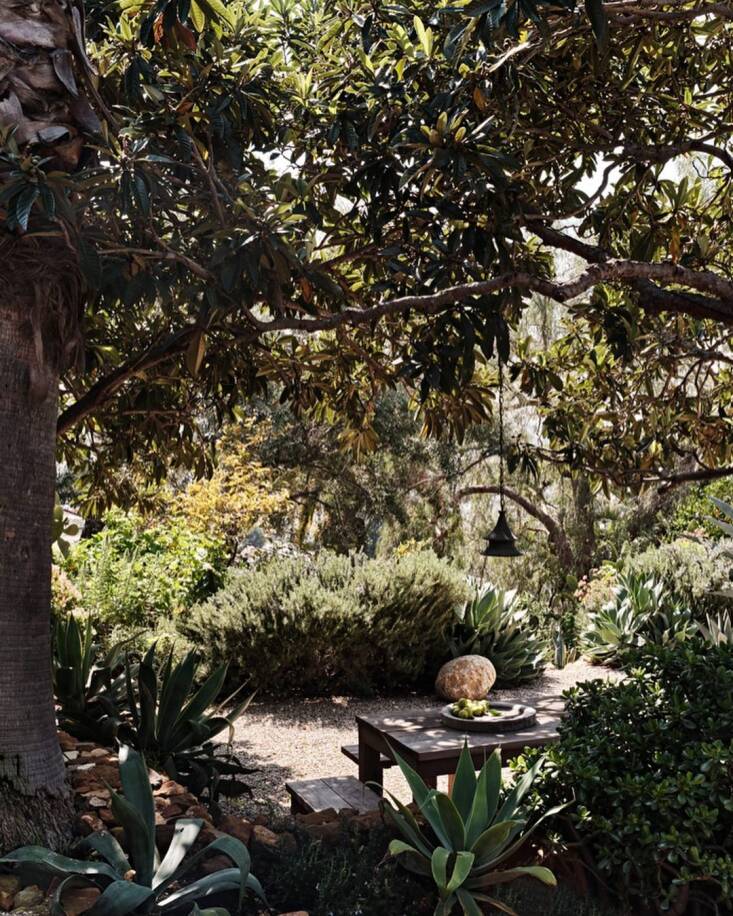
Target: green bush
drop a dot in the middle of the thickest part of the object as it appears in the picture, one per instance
(130, 573)
(647, 764)
(316, 624)
(695, 512)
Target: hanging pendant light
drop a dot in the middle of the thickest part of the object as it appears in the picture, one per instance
(501, 541)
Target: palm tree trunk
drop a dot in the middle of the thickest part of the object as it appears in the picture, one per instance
(43, 76)
(34, 802)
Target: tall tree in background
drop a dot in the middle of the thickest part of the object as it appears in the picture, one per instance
(337, 199)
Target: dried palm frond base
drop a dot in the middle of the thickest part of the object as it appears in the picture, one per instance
(40, 276)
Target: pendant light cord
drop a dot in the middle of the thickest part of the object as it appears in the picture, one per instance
(501, 434)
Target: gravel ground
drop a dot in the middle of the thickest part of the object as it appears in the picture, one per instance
(301, 739)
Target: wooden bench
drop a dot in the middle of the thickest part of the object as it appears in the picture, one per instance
(337, 792)
(352, 752)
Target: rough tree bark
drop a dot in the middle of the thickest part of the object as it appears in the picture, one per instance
(43, 69)
(34, 806)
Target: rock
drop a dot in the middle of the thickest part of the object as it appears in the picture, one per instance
(264, 837)
(99, 752)
(261, 819)
(28, 897)
(367, 821)
(172, 811)
(314, 818)
(470, 676)
(89, 823)
(199, 811)
(331, 833)
(236, 827)
(9, 887)
(170, 788)
(67, 742)
(298, 913)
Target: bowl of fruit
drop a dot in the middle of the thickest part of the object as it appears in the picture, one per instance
(485, 716)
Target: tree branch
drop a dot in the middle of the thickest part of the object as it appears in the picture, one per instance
(556, 534)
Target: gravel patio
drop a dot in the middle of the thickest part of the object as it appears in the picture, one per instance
(301, 739)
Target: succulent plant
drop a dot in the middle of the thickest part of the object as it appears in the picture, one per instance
(641, 611)
(468, 835)
(492, 625)
(174, 725)
(138, 881)
(88, 683)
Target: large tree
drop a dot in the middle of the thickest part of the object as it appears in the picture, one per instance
(336, 198)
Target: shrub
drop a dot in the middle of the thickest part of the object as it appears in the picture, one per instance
(494, 625)
(130, 573)
(648, 762)
(317, 624)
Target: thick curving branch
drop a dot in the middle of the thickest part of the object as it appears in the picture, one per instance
(555, 532)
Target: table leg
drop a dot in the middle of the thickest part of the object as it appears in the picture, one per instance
(430, 781)
(370, 766)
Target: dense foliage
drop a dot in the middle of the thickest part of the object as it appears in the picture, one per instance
(646, 763)
(132, 571)
(325, 622)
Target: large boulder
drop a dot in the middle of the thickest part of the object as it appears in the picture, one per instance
(470, 676)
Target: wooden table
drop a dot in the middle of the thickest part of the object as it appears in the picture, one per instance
(433, 749)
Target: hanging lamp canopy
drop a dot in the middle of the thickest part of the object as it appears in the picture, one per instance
(501, 541)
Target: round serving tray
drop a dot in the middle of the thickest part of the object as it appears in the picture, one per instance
(514, 716)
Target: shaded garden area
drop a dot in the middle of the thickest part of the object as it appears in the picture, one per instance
(366, 513)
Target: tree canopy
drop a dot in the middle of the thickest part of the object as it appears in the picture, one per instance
(332, 199)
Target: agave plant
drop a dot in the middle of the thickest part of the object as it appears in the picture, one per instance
(640, 611)
(468, 835)
(718, 630)
(174, 725)
(138, 881)
(492, 625)
(88, 684)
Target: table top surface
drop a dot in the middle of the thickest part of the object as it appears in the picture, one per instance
(424, 736)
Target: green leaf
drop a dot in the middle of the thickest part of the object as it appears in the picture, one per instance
(119, 899)
(56, 865)
(464, 784)
(452, 822)
(439, 868)
(186, 831)
(461, 870)
(107, 847)
(485, 799)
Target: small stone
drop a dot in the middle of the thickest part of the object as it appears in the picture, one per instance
(236, 827)
(199, 811)
(264, 837)
(261, 820)
(9, 884)
(71, 755)
(331, 833)
(94, 801)
(89, 823)
(107, 816)
(28, 897)
(169, 788)
(99, 752)
(470, 676)
(67, 741)
(7, 901)
(172, 811)
(295, 913)
(317, 817)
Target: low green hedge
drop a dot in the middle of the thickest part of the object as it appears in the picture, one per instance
(647, 764)
(329, 622)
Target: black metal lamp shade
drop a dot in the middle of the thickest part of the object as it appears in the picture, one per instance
(502, 542)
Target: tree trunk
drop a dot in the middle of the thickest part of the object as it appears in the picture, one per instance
(34, 801)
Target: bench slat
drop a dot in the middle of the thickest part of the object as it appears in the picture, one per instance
(352, 752)
(337, 792)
